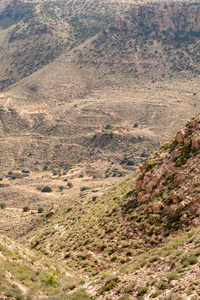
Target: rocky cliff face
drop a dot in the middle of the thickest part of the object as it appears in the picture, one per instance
(168, 184)
(157, 40)
(169, 21)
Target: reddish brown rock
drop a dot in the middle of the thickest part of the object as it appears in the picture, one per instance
(150, 186)
(140, 195)
(180, 136)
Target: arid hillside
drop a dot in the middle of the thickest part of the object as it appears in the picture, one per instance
(138, 237)
(119, 93)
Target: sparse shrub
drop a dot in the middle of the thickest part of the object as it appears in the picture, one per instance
(81, 175)
(193, 260)
(110, 284)
(26, 208)
(1, 178)
(14, 176)
(61, 188)
(131, 162)
(173, 276)
(25, 170)
(142, 291)
(95, 176)
(38, 188)
(46, 189)
(103, 247)
(84, 188)
(70, 185)
(2, 205)
(66, 179)
(40, 209)
(51, 280)
(130, 288)
(114, 257)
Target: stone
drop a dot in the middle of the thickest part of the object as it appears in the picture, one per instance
(176, 198)
(195, 223)
(90, 255)
(140, 195)
(145, 198)
(195, 144)
(142, 168)
(180, 136)
(150, 186)
(157, 206)
(183, 217)
(138, 185)
(155, 192)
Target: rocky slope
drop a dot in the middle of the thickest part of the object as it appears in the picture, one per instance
(138, 216)
(155, 41)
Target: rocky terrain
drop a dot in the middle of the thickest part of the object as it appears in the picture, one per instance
(142, 234)
(88, 90)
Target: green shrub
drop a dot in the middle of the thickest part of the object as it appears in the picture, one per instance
(130, 288)
(173, 276)
(25, 170)
(110, 284)
(81, 175)
(61, 188)
(26, 208)
(1, 178)
(131, 162)
(51, 280)
(2, 205)
(40, 210)
(70, 185)
(84, 188)
(114, 257)
(46, 189)
(142, 291)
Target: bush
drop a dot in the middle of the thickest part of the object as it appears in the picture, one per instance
(25, 170)
(26, 208)
(40, 210)
(142, 291)
(1, 178)
(81, 175)
(46, 189)
(131, 162)
(61, 188)
(110, 284)
(84, 188)
(130, 288)
(2, 205)
(70, 185)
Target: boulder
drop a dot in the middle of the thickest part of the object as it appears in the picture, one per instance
(140, 195)
(180, 136)
(157, 206)
(144, 198)
(150, 186)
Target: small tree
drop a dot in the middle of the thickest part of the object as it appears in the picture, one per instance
(26, 208)
(46, 189)
(70, 184)
(2, 205)
(61, 188)
(40, 210)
